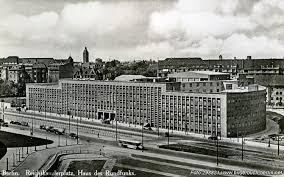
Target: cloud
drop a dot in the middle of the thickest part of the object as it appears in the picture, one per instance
(98, 19)
(35, 28)
(96, 24)
(154, 50)
(268, 13)
(119, 29)
(259, 47)
(206, 47)
(196, 20)
(209, 27)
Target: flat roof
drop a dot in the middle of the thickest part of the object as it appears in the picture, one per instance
(250, 88)
(128, 77)
(209, 72)
(204, 74)
(42, 84)
(112, 81)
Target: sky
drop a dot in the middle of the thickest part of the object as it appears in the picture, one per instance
(142, 29)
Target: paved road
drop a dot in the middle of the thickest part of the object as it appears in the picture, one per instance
(88, 135)
(84, 127)
(13, 153)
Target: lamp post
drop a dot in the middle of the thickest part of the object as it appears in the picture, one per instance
(116, 129)
(142, 131)
(172, 124)
(3, 111)
(217, 151)
(185, 127)
(238, 132)
(242, 147)
(45, 104)
(58, 140)
(69, 115)
(203, 131)
(168, 134)
(77, 130)
(32, 131)
(278, 144)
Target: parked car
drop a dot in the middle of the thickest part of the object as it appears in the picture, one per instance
(17, 123)
(73, 135)
(212, 137)
(42, 127)
(5, 124)
(106, 121)
(274, 137)
(12, 122)
(147, 128)
(59, 131)
(50, 129)
(167, 134)
(1, 120)
(26, 124)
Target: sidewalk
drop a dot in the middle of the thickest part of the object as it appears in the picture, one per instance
(36, 159)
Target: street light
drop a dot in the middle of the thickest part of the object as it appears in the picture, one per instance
(77, 115)
(142, 131)
(278, 144)
(32, 131)
(185, 127)
(3, 110)
(242, 147)
(58, 140)
(172, 124)
(45, 104)
(69, 115)
(217, 150)
(77, 130)
(238, 132)
(168, 134)
(116, 129)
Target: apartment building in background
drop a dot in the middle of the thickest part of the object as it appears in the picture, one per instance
(38, 70)
(265, 72)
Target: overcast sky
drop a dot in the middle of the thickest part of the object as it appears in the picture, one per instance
(137, 29)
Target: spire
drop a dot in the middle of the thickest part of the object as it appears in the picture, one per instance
(85, 55)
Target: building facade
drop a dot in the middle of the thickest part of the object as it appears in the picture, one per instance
(39, 70)
(161, 104)
(234, 66)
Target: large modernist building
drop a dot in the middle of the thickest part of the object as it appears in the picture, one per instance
(228, 111)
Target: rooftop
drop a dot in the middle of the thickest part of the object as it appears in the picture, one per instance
(209, 73)
(195, 73)
(128, 77)
(250, 88)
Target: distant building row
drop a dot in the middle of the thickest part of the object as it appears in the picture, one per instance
(38, 70)
(265, 72)
(49, 70)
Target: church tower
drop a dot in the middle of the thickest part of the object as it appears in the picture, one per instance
(85, 56)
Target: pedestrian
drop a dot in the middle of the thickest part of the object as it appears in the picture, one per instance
(98, 135)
